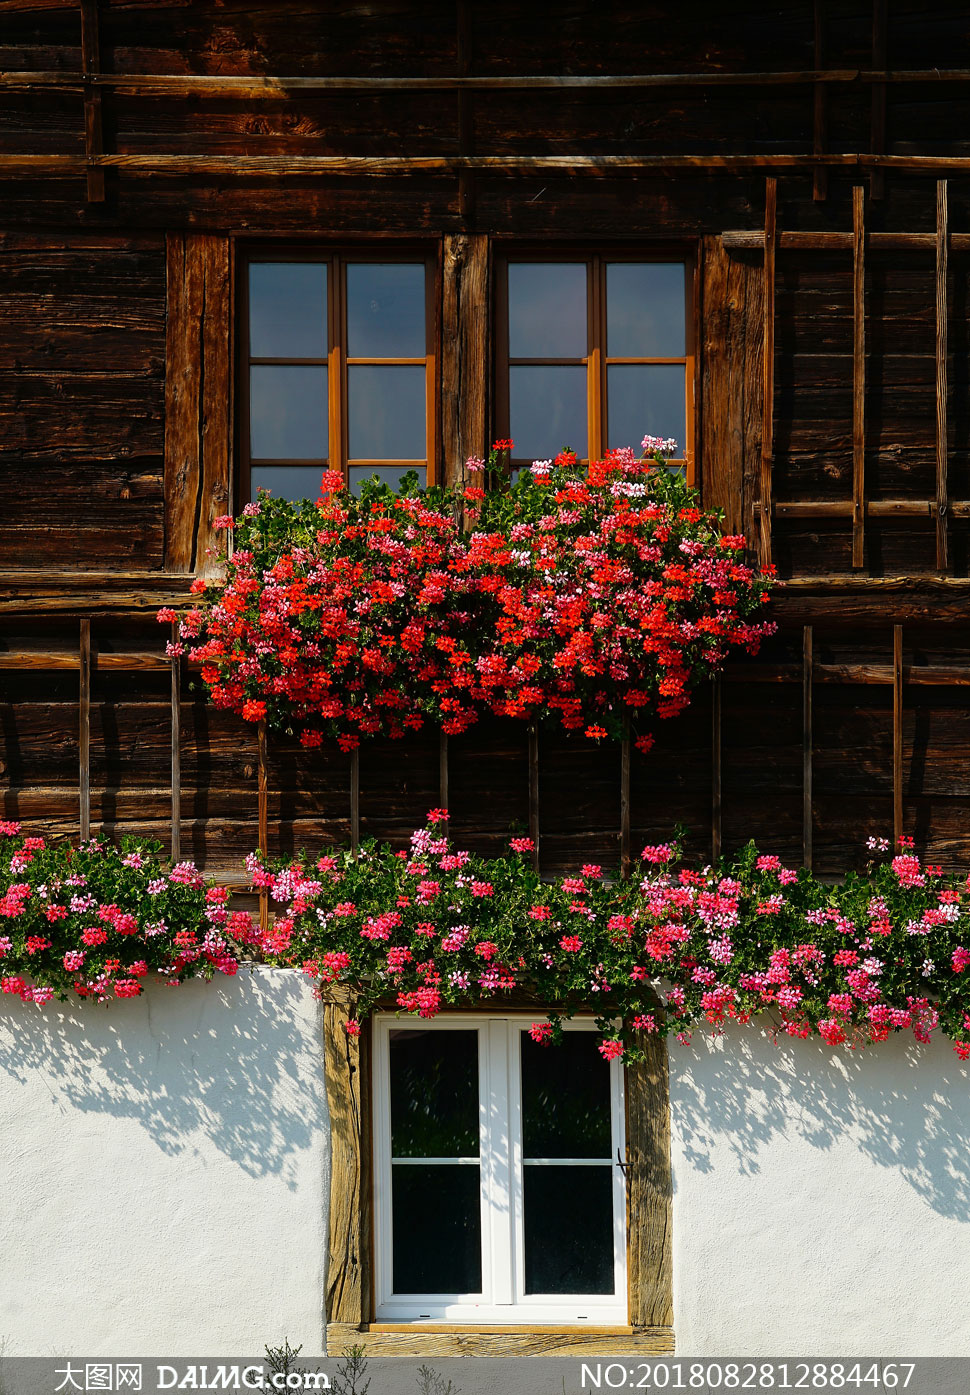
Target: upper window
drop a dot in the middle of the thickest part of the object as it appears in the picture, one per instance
(498, 1187)
(593, 352)
(339, 373)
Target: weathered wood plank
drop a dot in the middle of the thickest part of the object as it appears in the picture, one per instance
(808, 817)
(198, 434)
(649, 1188)
(400, 1340)
(91, 61)
(348, 1280)
(84, 731)
(858, 376)
(465, 333)
(942, 321)
(820, 178)
(768, 373)
(877, 140)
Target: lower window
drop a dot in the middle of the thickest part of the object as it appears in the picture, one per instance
(498, 1191)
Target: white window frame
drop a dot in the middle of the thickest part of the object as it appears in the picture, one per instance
(502, 1299)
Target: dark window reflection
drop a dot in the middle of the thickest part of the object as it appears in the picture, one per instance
(387, 410)
(547, 310)
(645, 310)
(292, 482)
(645, 399)
(565, 1099)
(385, 310)
(288, 411)
(434, 1094)
(288, 310)
(569, 1229)
(437, 1227)
(547, 410)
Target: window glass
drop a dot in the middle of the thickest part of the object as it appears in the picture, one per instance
(645, 307)
(387, 412)
(568, 1229)
(288, 411)
(385, 310)
(287, 310)
(547, 410)
(389, 474)
(547, 309)
(436, 1228)
(434, 1094)
(287, 481)
(565, 1099)
(645, 399)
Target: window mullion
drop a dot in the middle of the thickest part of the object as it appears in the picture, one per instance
(497, 1171)
(336, 372)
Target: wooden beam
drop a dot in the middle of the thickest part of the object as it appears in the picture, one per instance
(716, 731)
(872, 508)
(753, 240)
(858, 376)
(49, 659)
(649, 1187)
(91, 65)
(942, 554)
(464, 348)
(198, 392)
(463, 47)
(808, 817)
(820, 178)
(534, 792)
(176, 661)
(877, 180)
(355, 799)
(897, 734)
(768, 372)
(348, 1254)
(625, 801)
(84, 731)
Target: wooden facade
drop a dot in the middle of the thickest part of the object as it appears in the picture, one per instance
(808, 160)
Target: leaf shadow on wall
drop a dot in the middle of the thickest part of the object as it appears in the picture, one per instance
(900, 1105)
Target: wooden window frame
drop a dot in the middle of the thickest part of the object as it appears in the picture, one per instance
(596, 360)
(336, 259)
(350, 1297)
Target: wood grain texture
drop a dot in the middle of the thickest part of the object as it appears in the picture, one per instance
(649, 1189)
(768, 373)
(198, 394)
(464, 349)
(384, 1340)
(84, 730)
(348, 1275)
(858, 376)
(91, 60)
(808, 807)
(820, 179)
(942, 324)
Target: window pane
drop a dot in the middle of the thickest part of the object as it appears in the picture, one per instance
(288, 412)
(288, 310)
(390, 474)
(387, 413)
(434, 1094)
(286, 481)
(645, 310)
(436, 1228)
(547, 410)
(385, 311)
(645, 400)
(565, 1099)
(547, 310)
(569, 1229)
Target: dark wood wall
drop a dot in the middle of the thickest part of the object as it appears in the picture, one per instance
(141, 145)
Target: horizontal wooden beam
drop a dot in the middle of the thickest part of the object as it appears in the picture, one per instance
(394, 166)
(55, 659)
(214, 85)
(921, 675)
(872, 508)
(753, 240)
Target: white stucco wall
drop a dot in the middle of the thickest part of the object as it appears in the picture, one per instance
(163, 1171)
(821, 1198)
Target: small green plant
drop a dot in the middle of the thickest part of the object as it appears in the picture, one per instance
(431, 1383)
(349, 1378)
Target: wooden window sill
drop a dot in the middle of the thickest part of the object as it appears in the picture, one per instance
(440, 1339)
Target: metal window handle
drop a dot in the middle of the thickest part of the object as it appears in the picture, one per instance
(620, 1163)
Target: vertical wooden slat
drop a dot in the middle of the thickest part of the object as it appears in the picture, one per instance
(176, 751)
(942, 551)
(466, 178)
(443, 770)
(877, 144)
(820, 122)
(858, 376)
(355, 798)
(897, 733)
(464, 348)
(84, 731)
(198, 420)
(348, 1277)
(91, 67)
(716, 771)
(625, 801)
(649, 1188)
(808, 664)
(534, 792)
(768, 371)
(262, 806)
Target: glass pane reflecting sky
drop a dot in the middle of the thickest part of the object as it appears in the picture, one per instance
(288, 310)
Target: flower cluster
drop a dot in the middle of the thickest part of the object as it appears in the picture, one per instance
(433, 927)
(600, 596)
(98, 920)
